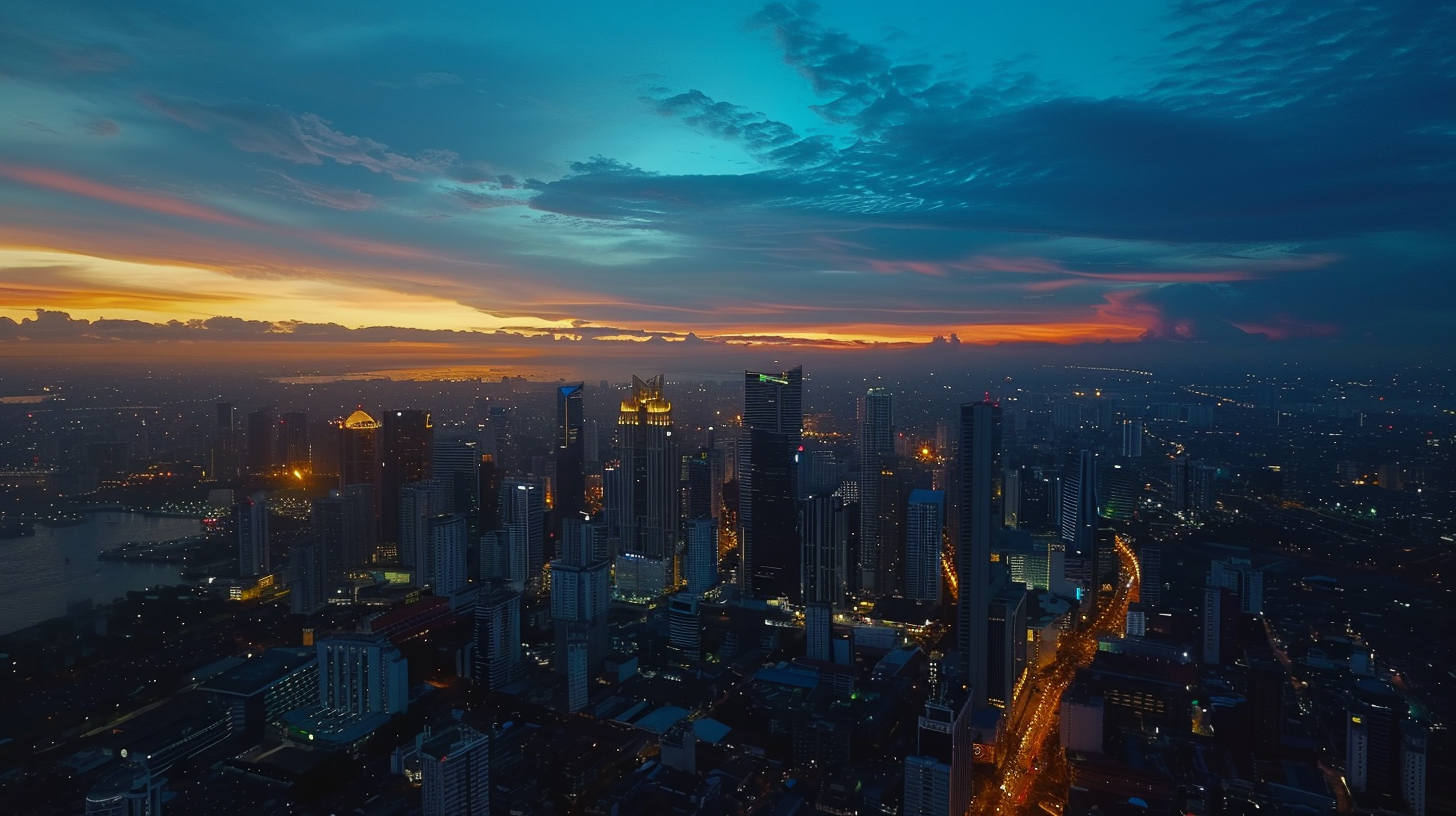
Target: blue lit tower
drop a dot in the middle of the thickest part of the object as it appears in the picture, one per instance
(569, 492)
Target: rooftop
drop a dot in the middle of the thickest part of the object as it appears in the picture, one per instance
(258, 674)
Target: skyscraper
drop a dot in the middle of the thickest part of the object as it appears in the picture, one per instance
(405, 453)
(358, 449)
(684, 628)
(254, 556)
(570, 488)
(938, 773)
(925, 524)
(455, 464)
(225, 447)
(419, 503)
(1079, 508)
(772, 439)
(824, 536)
(445, 569)
(1005, 645)
(1132, 438)
(580, 594)
(1150, 564)
(521, 514)
(701, 571)
(455, 773)
(497, 637)
(876, 452)
(293, 441)
(262, 440)
(643, 502)
(978, 466)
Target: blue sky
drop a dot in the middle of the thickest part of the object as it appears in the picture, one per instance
(851, 174)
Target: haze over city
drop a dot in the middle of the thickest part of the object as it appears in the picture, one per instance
(740, 408)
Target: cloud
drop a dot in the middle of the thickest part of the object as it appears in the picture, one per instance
(305, 139)
(333, 197)
(102, 127)
(770, 140)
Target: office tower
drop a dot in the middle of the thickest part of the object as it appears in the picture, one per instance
(521, 514)
(419, 502)
(360, 529)
(1220, 625)
(307, 591)
(456, 466)
(1150, 564)
(772, 438)
(1264, 690)
(225, 451)
(1005, 645)
(1178, 483)
(1011, 498)
(924, 540)
(684, 628)
(581, 593)
(262, 440)
(592, 446)
(643, 502)
(362, 675)
(497, 637)
(1117, 490)
(1030, 567)
(293, 441)
(251, 517)
(578, 671)
(455, 773)
(702, 555)
(444, 569)
(1035, 501)
(1243, 579)
(938, 774)
(697, 483)
(1413, 766)
(819, 471)
(1201, 493)
(488, 513)
(405, 451)
(824, 533)
(1132, 438)
(330, 531)
(818, 630)
(1079, 508)
(358, 449)
(978, 465)
(130, 790)
(1104, 571)
(876, 453)
(570, 489)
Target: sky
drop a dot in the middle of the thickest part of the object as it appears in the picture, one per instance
(503, 178)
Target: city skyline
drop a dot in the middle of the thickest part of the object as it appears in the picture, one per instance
(848, 176)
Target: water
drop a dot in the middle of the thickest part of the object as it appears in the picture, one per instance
(37, 583)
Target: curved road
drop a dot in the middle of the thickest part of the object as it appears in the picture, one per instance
(1014, 784)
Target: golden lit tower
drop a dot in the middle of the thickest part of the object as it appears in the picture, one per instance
(642, 496)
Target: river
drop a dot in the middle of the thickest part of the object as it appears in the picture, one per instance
(41, 574)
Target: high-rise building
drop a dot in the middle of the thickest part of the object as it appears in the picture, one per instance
(1132, 438)
(643, 500)
(456, 466)
(358, 450)
(455, 773)
(978, 466)
(262, 440)
(1117, 491)
(521, 514)
(1220, 625)
(497, 637)
(701, 570)
(1150, 565)
(225, 444)
(938, 774)
(306, 585)
(818, 630)
(581, 593)
(698, 485)
(769, 447)
(1242, 578)
(419, 503)
(924, 541)
(685, 628)
(570, 487)
(1005, 645)
(254, 554)
(1201, 487)
(1413, 766)
(293, 441)
(328, 523)
(1079, 508)
(1178, 483)
(445, 569)
(876, 453)
(362, 675)
(578, 670)
(824, 533)
(405, 453)
(360, 529)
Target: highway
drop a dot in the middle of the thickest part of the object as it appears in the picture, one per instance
(1018, 782)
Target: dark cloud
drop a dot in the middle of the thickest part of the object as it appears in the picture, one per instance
(759, 135)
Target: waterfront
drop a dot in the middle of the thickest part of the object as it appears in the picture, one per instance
(58, 566)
